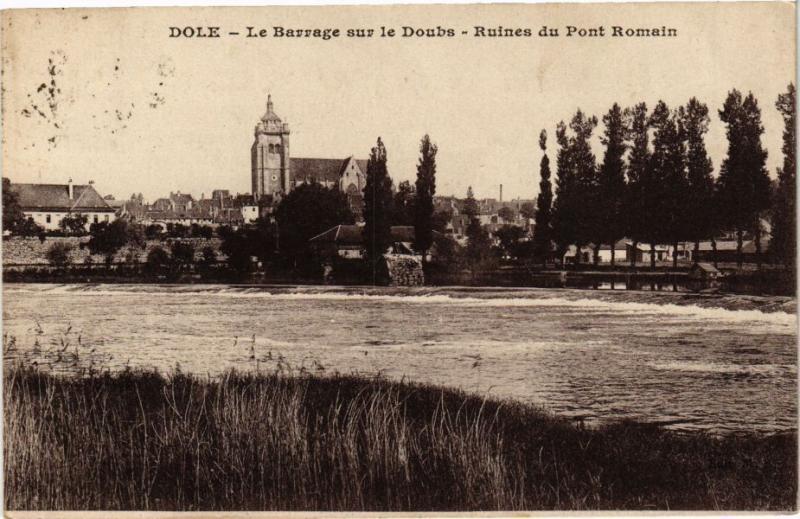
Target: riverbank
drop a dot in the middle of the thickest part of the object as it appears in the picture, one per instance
(143, 441)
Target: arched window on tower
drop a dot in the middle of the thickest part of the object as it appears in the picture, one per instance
(271, 148)
(277, 148)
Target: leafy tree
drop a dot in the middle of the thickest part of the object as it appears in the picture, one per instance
(177, 230)
(263, 238)
(182, 253)
(58, 254)
(528, 210)
(108, 238)
(699, 202)
(611, 182)
(209, 256)
(27, 227)
(308, 210)
(668, 189)
(635, 205)
(783, 243)
(743, 183)
(201, 231)
(440, 220)
(157, 260)
(13, 217)
(153, 231)
(403, 204)
(241, 245)
(377, 208)
(425, 189)
(74, 224)
(507, 214)
(542, 231)
(479, 244)
(510, 237)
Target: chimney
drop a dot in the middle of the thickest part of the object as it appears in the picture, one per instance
(71, 190)
(501, 193)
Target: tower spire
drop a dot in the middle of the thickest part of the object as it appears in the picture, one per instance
(269, 103)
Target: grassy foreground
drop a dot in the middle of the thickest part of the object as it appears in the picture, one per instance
(141, 441)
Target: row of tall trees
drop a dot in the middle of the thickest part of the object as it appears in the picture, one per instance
(383, 208)
(655, 183)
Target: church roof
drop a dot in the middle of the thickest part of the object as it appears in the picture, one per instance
(55, 197)
(321, 170)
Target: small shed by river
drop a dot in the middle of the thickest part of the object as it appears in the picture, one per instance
(701, 271)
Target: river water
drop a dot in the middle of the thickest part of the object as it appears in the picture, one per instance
(588, 355)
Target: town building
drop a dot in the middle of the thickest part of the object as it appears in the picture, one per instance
(274, 173)
(49, 204)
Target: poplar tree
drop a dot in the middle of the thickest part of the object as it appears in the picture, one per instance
(635, 204)
(426, 188)
(586, 180)
(669, 184)
(470, 205)
(542, 233)
(576, 187)
(565, 225)
(478, 242)
(743, 183)
(783, 243)
(377, 208)
(611, 181)
(699, 201)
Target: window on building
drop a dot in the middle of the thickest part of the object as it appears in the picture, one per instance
(96, 219)
(47, 218)
(106, 218)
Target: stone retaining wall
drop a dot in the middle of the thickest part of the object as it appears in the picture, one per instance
(32, 251)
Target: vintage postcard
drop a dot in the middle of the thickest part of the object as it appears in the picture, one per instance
(421, 259)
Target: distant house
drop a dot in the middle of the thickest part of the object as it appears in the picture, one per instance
(726, 250)
(48, 204)
(703, 272)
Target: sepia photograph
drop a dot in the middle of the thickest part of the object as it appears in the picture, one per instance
(476, 258)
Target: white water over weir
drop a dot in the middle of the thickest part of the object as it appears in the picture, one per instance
(680, 360)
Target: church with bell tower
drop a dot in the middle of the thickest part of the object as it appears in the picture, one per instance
(275, 173)
(270, 165)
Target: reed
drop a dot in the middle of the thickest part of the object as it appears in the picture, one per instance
(267, 441)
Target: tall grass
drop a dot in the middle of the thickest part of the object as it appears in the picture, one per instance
(142, 441)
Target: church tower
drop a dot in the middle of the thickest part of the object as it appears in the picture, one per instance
(269, 156)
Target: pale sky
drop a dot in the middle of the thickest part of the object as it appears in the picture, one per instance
(138, 111)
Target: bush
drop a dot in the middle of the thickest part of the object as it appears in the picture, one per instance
(74, 224)
(209, 255)
(153, 231)
(28, 227)
(182, 253)
(157, 259)
(58, 254)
